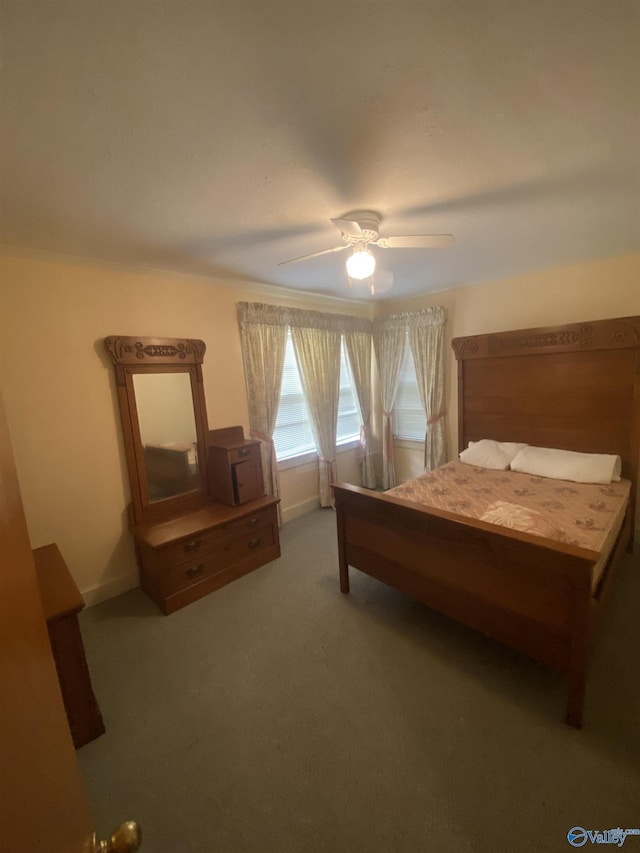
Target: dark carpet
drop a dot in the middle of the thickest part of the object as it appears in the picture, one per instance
(279, 715)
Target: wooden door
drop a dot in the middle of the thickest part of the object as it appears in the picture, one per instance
(247, 482)
(43, 805)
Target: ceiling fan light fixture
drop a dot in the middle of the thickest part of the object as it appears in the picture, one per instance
(360, 264)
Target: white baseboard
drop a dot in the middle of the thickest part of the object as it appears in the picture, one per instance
(302, 508)
(104, 591)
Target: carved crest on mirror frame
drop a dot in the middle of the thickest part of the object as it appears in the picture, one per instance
(128, 350)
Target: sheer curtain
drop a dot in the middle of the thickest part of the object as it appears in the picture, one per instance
(426, 339)
(357, 340)
(389, 335)
(263, 335)
(316, 343)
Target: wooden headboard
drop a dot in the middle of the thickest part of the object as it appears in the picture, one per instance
(575, 387)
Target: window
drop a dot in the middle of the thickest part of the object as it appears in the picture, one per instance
(348, 413)
(408, 417)
(293, 435)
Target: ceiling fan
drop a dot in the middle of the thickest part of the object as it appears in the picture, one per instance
(360, 230)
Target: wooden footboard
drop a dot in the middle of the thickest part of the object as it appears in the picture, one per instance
(522, 590)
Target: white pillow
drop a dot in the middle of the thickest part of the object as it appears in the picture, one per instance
(491, 454)
(568, 465)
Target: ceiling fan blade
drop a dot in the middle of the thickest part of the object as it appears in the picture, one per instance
(312, 255)
(417, 241)
(348, 226)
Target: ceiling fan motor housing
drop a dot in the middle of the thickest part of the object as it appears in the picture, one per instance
(369, 223)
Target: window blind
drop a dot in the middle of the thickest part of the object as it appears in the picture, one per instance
(408, 418)
(293, 435)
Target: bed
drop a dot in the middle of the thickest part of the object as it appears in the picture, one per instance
(573, 387)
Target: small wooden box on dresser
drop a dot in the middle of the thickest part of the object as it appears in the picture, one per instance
(206, 529)
(235, 466)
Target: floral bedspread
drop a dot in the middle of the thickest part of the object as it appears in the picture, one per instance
(584, 514)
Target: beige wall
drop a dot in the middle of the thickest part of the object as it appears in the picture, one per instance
(591, 291)
(62, 409)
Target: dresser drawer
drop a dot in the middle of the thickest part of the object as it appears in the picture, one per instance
(252, 522)
(180, 577)
(248, 453)
(186, 550)
(202, 543)
(226, 553)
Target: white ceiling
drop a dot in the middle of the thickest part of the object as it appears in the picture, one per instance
(219, 138)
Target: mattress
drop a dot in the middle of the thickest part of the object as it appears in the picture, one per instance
(584, 514)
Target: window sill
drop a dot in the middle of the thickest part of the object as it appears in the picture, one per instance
(408, 443)
(312, 456)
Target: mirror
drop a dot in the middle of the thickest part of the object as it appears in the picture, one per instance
(166, 419)
(164, 422)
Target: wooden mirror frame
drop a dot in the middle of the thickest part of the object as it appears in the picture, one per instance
(132, 356)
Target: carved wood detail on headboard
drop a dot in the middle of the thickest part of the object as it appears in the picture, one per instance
(621, 332)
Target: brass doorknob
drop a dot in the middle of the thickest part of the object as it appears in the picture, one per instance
(125, 839)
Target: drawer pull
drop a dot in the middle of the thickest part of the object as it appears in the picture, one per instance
(192, 546)
(194, 571)
(253, 522)
(244, 452)
(254, 543)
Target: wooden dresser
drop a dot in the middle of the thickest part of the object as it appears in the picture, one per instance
(198, 512)
(183, 558)
(61, 602)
